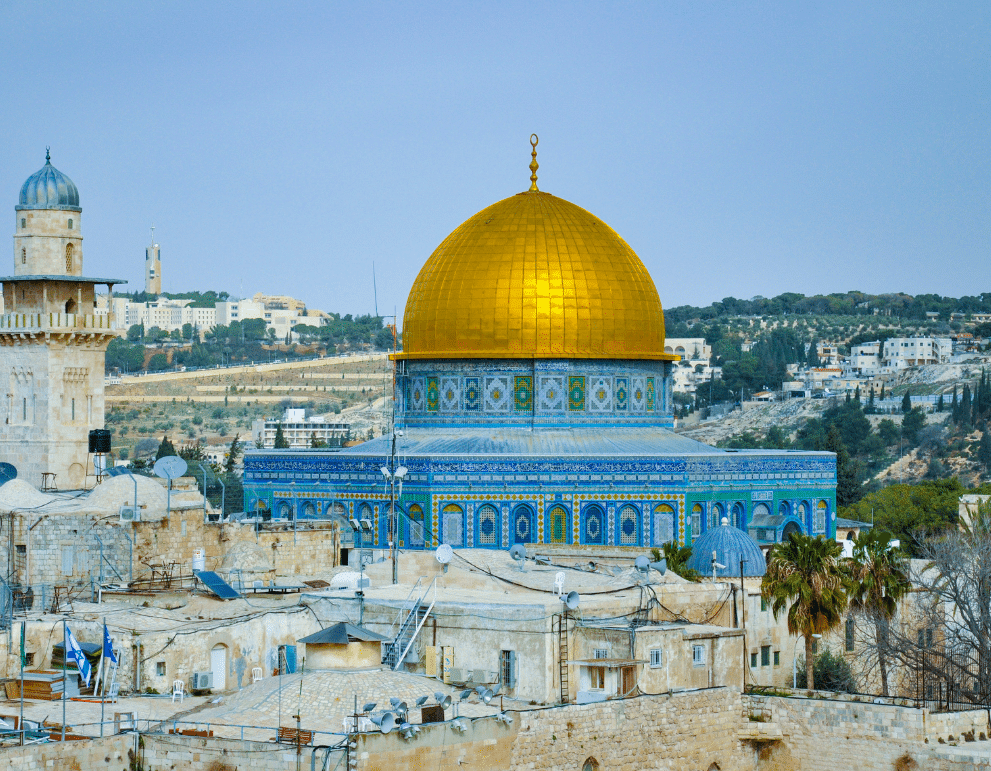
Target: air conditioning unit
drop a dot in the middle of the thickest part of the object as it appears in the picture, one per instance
(460, 675)
(483, 676)
(202, 681)
(130, 514)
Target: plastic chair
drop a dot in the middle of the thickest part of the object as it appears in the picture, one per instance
(114, 692)
(178, 689)
(256, 674)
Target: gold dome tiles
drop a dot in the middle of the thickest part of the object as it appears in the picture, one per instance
(533, 276)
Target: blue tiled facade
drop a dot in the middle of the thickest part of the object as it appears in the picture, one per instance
(558, 451)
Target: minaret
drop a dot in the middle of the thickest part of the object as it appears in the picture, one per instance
(53, 345)
(153, 267)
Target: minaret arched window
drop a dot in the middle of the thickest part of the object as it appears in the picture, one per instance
(24, 256)
(70, 223)
(68, 257)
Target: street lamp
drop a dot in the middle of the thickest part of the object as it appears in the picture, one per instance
(393, 473)
(794, 662)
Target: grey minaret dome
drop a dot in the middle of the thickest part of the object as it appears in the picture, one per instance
(48, 188)
(730, 545)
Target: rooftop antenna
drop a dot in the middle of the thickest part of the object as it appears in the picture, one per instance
(152, 235)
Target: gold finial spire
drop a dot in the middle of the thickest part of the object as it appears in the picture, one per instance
(533, 164)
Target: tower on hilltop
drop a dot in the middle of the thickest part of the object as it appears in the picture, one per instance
(153, 267)
(54, 344)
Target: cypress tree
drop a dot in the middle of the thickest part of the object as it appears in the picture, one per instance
(165, 449)
(965, 406)
(856, 394)
(280, 439)
(955, 407)
(882, 392)
(984, 450)
(939, 405)
(907, 402)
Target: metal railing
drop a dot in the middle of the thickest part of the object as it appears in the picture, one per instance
(27, 321)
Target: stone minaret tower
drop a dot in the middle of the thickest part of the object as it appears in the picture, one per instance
(153, 267)
(53, 344)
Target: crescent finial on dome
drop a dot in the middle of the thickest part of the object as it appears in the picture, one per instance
(48, 154)
(533, 164)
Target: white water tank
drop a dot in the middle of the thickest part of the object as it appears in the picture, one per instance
(199, 560)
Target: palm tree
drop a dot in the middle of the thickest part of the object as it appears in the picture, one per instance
(878, 580)
(804, 575)
(677, 558)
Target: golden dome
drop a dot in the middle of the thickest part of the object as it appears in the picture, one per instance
(533, 276)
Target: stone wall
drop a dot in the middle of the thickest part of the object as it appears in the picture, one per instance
(682, 732)
(813, 734)
(167, 752)
(109, 754)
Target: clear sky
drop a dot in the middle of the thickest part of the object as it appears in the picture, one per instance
(740, 148)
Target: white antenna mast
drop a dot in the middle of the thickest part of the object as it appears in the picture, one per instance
(152, 235)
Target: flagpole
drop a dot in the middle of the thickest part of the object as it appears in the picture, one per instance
(103, 658)
(65, 684)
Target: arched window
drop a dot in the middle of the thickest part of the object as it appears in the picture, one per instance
(715, 515)
(523, 529)
(24, 256)
(285, 510)
(70, 306)
(416, 525)
(697, 514)
(488, 526)
(68, 257)
(784, 509)
(594, 525)
(738, 516)
(629, 526)
(590, 764)
(70, 223)
(309, 510)
(24, 223)
(453, 528)
(664, 523)
(557, 518)
(820, 520)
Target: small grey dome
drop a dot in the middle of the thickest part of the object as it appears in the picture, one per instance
(730, 545)
(48, 189)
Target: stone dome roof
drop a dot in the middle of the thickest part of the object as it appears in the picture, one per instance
(730, 545)
(48, 188)
(533, 276)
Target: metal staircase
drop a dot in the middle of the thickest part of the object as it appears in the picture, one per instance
(417, 609)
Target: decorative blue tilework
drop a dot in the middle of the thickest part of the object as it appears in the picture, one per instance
(551, 393)
(593, 525)
(638, 394)
(576, 393)
(622, 394)
(600, 394)
(418, 394)
(629, 526)
(488, 525)
(498, 394)
(473, 394)
(450, 393)
(524, 526)
(523, 393)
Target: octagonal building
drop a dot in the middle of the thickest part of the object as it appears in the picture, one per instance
(534, 405)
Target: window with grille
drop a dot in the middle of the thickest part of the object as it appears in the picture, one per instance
(698, 655)
(601, 653)
(753, 660)
(507, 667)
(765, 655)
(656, 658)
(597, 677)
(24, 256)
(777, 658)
(68, 257)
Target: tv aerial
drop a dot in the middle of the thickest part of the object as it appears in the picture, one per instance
(518, 553)
(444, 555)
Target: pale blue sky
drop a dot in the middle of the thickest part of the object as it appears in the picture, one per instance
(740, 148)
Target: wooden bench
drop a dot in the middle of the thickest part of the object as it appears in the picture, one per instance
(294, 736)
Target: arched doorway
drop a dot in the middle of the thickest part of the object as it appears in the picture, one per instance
(218, 665)
(416, 525)
(453, 525)
(70, 306)
(789, 528)
(557, 530)
(664, 523)
(629, 526)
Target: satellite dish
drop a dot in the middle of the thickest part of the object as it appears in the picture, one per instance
(559, 582)
(170, 467)
(421, 701)
(7, 472)
(571, 600)
(442, 699)
(661, 567)
(518, 553)
(386, 721)
(369, 707)
(642, 564)
(444, 554)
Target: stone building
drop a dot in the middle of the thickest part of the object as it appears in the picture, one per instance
(53, 342)
(534, 405)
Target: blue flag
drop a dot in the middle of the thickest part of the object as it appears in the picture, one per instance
(77, 653)
(108, 646)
